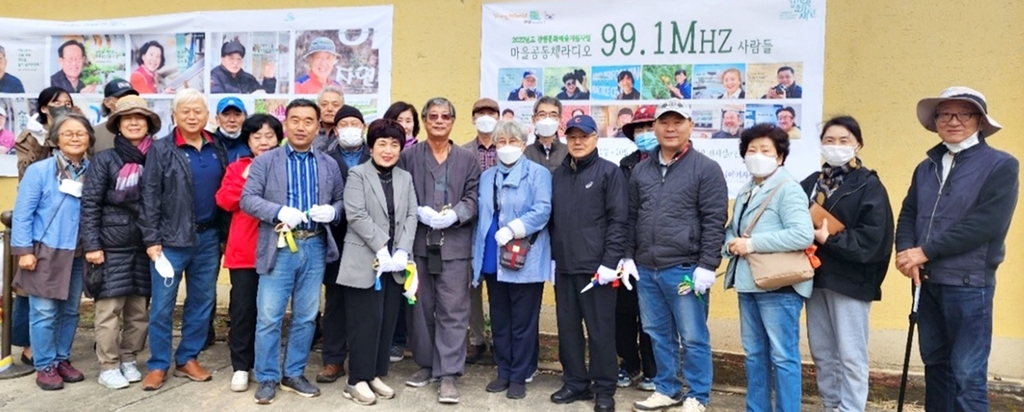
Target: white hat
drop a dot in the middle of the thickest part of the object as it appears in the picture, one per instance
(926, 108)
(674, 106)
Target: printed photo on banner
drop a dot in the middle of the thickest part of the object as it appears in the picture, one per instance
(616, 83)
(273, 107)
(611, 119)
(786, 117)
(567, 83)
(21, 65)
(775, 80)
(14, 116)
(167, 63)
(85, 63)
(719, 122)
(719, 81)
(346, 59)
(250, 63)
(520, 85)
(667, 81)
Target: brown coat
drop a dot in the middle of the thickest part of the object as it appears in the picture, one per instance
(29, 151)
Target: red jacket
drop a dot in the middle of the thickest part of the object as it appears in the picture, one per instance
(241, 248)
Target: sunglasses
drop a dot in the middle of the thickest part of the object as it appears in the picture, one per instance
(434, 116)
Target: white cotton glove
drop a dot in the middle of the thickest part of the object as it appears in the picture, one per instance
(503, 236)
(426, 214)
(291, 216)
(322, 213)
(384, 261)
(606, 275)
(518, 228)
(399, 260)
(703, 280)
(628, 268)
(444, 220)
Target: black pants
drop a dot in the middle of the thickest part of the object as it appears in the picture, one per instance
(515, 322)
(371, 317)
(242, 312)
(627, 327)
(332, 323)
(401, 337)
(596, 308)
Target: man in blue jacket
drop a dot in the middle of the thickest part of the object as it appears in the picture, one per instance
(950, 238)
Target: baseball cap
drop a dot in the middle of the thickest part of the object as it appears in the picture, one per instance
(229, 102)
(674, 106)
(529, 73)
(926, 108)
(118, 87)
(583, 122)
(645, 114)
(321, 44)
(485, 103)
(233, 46)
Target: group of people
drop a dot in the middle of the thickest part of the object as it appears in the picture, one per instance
(404, 234)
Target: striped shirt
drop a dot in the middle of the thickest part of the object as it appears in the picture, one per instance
(302, 183)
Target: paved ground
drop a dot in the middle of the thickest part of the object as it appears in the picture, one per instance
(181, 395)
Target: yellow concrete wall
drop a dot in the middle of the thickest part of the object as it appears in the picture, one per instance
(881, 57)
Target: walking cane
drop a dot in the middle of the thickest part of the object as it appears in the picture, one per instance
(910, 343)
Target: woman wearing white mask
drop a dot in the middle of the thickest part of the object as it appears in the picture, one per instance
(514, 207)
(854, 262)
(769, 319)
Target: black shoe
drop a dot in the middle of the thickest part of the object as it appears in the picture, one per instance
(604, 403)
(566, 395)
(27, 361)
(475, 353)
(516, 391)
(300, 386)
(265, 392)
(497, 385)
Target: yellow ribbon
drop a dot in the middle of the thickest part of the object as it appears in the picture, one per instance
(285, 237)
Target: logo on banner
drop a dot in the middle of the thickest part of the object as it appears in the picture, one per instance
(530, 17)
(799, 9)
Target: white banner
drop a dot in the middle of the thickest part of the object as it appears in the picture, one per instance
(264, 57)
(738, 63)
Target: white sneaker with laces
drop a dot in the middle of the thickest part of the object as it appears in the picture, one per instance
(113, 379)
(240, 381)
(692, 405)
(657, 402)
(131, 372)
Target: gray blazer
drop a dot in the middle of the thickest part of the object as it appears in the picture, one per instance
(367, 211)
(266, 192)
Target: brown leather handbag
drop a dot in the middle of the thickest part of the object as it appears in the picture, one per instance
(780, 269)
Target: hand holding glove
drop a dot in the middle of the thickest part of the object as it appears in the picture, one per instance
(322, 213)
(628, 267)
(291, 216)
(444, 220)
(426, 214)
(606, 275)
(503, 236)
(703, 280)
(399, 260)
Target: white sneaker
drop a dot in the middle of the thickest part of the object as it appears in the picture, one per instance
(657, 402)
(692, 405)
(113, 379)
(131, 372)
(360, 394)
(382, 390)
(529, 379)
(240, 381)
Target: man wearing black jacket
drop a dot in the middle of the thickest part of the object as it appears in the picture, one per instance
(588, 238)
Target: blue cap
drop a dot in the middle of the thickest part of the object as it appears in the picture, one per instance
(529, 73)
(227, 102)
(582, 122)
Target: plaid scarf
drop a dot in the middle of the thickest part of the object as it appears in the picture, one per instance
(66, 169)
(831, 178)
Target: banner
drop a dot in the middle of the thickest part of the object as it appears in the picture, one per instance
(264, 57)
(736, 62)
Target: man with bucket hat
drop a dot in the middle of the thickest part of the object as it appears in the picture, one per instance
(321, 57)
(228, 77)
(950, 238)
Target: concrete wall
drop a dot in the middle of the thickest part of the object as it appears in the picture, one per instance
(881, 57)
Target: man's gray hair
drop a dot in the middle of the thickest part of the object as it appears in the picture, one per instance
(548, 100)
(510, 128)
(2, 51)
(438, 101)
(331, 89)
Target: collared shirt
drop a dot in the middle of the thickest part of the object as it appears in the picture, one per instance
(488, 156)
(352, 157)
(206, 175)
(665, 164)
(302, 182)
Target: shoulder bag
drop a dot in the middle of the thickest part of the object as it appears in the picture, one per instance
(780, 269)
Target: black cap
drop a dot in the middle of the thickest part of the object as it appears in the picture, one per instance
(232, 47)
(118, 88)
(348, 111)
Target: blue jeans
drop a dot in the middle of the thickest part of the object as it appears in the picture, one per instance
(770, 331)
(955, 329)
(668, 316)
(297, 276)
(53, 323)
(19, 322)
(199, 266)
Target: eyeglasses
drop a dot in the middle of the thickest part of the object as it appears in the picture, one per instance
(960, 117)
(434, 116)
(506, 141)
(80, 135)
(548, 115)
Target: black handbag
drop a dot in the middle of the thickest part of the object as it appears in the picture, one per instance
(94, 279)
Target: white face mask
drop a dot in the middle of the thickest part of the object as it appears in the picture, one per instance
(509, 154)
(231, 135)
(485, 124)
(837, 155)
(547, 127)
(350, 137)
(760, 165)
(964, 145)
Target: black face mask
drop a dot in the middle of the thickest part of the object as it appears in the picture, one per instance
(56, 112)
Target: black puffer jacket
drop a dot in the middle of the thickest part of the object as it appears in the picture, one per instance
(113, 227)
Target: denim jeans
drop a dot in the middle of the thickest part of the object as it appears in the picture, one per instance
(198, 265)
(53, 323)
(297, 276)
(770, 331)
(19, 322)
(955, 329)
(668, 316)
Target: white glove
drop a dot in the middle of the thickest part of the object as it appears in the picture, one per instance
(628, 267)
(399, 260)
(703, 280)
(322, 213)
(426, 214)
(291, 216)
(606, 275)
(503, 236)
(384, 261)
(444, 220)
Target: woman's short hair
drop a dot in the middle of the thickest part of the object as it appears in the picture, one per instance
(778, 137)
(47, 96)
(256, 122)
(510, 128)
(187, 96)
(54, 133)
(847, 122)
(397, 108)
(385, 129)
(145, 48)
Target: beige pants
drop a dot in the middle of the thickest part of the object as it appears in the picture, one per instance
(116, 344)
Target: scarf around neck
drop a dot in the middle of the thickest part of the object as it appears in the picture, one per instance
(127, 186)
(831, 178)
